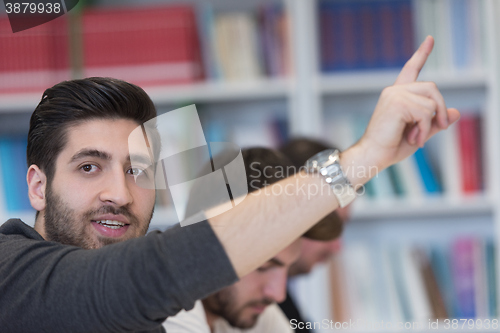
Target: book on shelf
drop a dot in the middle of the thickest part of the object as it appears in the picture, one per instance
(398, 283)
(246, 45)
(33, 59)
(365, 34)
(469, 135)
(13, 169)
(459, 32)
(149, 45)
(143, 45)
(378, 34)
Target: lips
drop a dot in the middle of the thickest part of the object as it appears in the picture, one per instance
(111, 226)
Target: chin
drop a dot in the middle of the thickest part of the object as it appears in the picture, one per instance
(248, 323)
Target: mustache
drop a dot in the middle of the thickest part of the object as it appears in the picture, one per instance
(111, 210)
(263, 302)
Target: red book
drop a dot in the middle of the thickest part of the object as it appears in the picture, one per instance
(470, 153)
(152, 45)
(33, 59)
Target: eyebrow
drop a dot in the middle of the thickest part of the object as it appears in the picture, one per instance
(276, 262)
(139, 159)
(91, 153)
(84, 153)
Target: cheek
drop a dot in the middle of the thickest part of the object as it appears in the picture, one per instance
(76, 194)
(245, 290)
(145, 199)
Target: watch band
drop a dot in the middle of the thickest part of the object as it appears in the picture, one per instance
(327, 164)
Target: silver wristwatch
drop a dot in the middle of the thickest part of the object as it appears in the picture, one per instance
(327, 164)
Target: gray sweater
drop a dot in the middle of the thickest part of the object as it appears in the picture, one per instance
(130, 286)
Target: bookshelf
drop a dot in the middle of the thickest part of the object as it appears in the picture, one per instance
(312, 99)
(338, 94)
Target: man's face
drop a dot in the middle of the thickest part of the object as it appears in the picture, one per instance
(93, 199)
(241, 303)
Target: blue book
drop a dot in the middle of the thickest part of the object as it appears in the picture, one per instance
(365, 34)
(440, 263)
(428, 175)
(460, 27)
(491, 277)
(8, 173)
(21, 169)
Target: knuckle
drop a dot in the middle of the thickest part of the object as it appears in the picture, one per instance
(387, 91)
(431, 85)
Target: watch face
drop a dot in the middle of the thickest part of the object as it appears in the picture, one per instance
(327, 156)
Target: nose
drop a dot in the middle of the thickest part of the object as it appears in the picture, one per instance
(275, 286)
(116, 189)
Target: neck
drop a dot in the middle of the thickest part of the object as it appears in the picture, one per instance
(211, 318)
(39, 227)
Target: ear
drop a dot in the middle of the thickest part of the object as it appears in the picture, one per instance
(36, 187)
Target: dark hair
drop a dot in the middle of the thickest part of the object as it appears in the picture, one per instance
(71, 102)
(265, 166)
(299, 150)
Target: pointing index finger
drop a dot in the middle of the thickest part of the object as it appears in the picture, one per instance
(412, 68)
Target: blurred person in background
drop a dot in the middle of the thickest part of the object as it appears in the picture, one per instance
(250, 304)
(314, 250)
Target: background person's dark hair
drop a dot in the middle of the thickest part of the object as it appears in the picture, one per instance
(265, 166)
(254, 160)
(71, 102)
(299, 150)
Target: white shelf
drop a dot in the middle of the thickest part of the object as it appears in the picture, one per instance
(363, 82)
(27, 217)
(212, 91)
(171, 94)
(20, 102)
(368, 210)
(219, 91)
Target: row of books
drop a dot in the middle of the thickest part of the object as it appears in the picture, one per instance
(364, 34)
(178, 44)
(451, 164)
(415, 283)
(459, 28)
(147, 45)
(245, 45)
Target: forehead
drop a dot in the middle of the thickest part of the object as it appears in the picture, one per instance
(106, 135)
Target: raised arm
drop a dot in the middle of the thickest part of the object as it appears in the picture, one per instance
(406, 116)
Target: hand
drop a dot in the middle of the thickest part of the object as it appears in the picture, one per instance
(407, 114)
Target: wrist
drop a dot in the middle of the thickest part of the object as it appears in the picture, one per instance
(357, 165)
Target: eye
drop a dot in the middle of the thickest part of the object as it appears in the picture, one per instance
(137, 171)
(89, 168)
(264, 268)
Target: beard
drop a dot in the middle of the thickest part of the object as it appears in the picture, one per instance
(63, 225)
(223, 304)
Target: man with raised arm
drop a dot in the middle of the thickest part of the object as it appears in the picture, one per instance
(59, 276)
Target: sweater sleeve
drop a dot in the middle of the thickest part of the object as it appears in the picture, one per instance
(124, 287)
